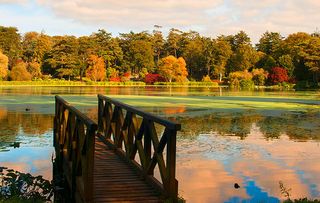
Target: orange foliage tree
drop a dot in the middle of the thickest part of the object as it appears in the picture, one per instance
(173, 69)
(19, 72)
(96, 70)
(3, 65)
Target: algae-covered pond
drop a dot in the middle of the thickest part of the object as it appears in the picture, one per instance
(258, 139)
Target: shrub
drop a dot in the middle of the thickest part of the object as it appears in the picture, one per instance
(20, 187)
(19, 72)
(206, 78)
(114, 79)
(278, 75)
(236, 77)
(125, 77)
(152, 78)
(246, 84)
(259, 76)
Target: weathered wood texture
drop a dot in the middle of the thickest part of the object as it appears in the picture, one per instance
(120, 127)
(116, 159)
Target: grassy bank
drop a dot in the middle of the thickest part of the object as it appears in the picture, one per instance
(106, 84)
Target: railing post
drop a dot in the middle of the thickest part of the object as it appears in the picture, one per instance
(90, 163)
(171, 165)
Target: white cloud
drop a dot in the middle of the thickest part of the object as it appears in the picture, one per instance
(210, 17)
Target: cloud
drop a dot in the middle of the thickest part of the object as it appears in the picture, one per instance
(209, 17)
(140, 14)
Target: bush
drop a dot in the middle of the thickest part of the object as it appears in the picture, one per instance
(115, 79)
(247, 84)
(259, 76)
(206, 78)
(152, 78)
(19, 72)
(278, 75)
(20, 187)
(236, 77)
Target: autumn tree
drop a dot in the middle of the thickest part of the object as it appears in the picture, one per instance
(96, 70)
(34, 69)
(3, 66)
(278, 75)
(173, 69)
(19, 72)
(35, 46)
(259, 76)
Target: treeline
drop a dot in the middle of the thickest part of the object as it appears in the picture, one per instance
(179, 56)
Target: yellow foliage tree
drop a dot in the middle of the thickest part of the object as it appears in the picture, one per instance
(19, 72)
(34, 69)
(3, 66)
(173, 69)
(96, 70)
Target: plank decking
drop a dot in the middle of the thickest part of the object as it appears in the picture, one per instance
(115, 160)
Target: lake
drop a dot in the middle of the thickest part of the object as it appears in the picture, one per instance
(267, 142)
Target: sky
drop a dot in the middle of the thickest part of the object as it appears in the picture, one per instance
(208, 17)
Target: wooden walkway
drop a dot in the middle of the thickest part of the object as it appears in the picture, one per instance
(120, 182)
(115, 160)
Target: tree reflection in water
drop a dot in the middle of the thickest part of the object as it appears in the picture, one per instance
(25, 142)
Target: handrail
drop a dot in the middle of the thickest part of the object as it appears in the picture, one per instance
(74, 142)
(128, 137)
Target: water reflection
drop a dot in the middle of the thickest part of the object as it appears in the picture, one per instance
(25, 142)
(296, 125)
(209, 165)
(228, 137)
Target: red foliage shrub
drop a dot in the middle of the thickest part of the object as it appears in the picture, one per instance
(114, 79)
(127, 74)
(152, 78)
(278, 75)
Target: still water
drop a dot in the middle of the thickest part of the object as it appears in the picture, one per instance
(266, 142)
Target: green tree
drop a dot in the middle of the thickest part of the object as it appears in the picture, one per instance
(87, 47)
(222, 54)
(270, 43)
(194, 53)
(286, 62)
(138, 51)
(10, 44)
(63, 59)
(172, 43)
(108, 48)
(158, 44)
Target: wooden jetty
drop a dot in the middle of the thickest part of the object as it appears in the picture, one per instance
(115, 160)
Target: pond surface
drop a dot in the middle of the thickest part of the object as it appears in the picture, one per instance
(267, 142)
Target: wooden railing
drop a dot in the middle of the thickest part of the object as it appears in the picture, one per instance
(74, 140)
(131, 131)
